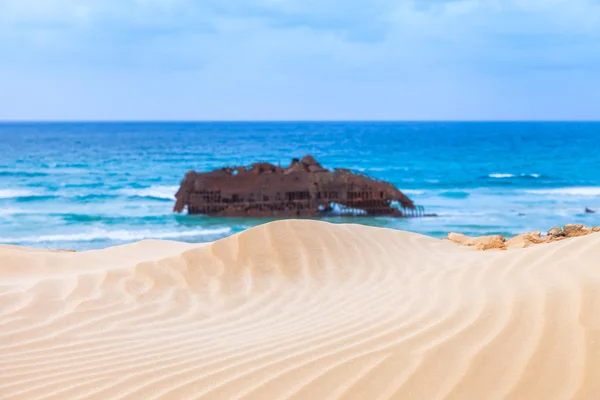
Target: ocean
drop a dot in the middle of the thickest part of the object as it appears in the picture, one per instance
(91, 185)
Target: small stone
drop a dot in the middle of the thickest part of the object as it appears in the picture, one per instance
(459, 238)
(572, 230)
(525, 240)
(517, 242)
(490, 242)
(557, 231)
(534, 236)
(480, 243)
(596, 229)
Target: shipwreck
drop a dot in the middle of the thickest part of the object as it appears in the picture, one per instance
(303, 189)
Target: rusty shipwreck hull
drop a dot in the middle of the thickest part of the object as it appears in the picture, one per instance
(303, 189)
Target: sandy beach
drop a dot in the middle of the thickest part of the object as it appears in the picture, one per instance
(304, 310)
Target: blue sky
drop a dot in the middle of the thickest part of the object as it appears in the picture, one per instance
(299, 59)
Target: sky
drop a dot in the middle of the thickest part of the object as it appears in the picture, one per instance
(299, 59)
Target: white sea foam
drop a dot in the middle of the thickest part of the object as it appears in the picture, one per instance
(9, 211)
(569, 191)
(357, 168)
(505, 176)
(159, 192)
(464, 214)
(413, 192)
(14, 193)
(121, 234)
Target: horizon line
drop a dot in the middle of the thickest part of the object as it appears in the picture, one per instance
(108, 121)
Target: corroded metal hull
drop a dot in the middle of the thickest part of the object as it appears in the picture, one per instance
(303, 189)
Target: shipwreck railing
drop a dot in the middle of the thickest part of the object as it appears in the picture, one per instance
(344, 207)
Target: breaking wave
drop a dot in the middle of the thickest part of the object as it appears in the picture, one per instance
(17, 193)
(506, 176)
(155, 192)
(501, 176)
(413, 192)
(121, 235)
(10, 212)
(572, 191)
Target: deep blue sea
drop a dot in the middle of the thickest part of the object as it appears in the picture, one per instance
(92, 185)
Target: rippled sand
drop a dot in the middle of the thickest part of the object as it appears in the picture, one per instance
(302, 309)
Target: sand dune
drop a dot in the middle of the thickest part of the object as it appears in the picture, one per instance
(303, 310)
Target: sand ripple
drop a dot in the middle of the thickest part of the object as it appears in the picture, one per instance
(305, 310)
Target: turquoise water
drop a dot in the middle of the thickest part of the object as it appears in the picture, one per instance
(92, 185)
